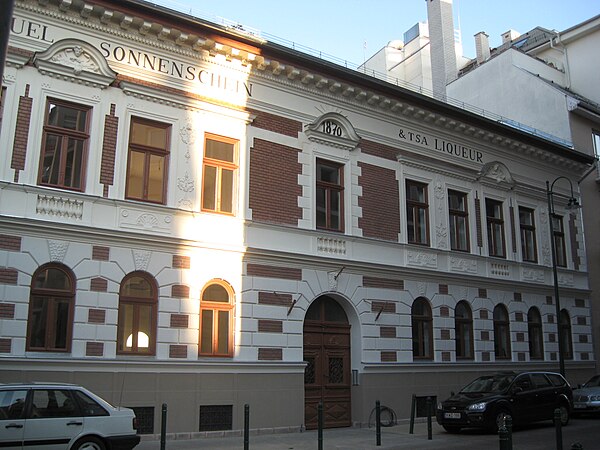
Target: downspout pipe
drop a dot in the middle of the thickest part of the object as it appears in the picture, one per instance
(566, 56)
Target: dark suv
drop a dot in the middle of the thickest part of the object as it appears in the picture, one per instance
(525, 396)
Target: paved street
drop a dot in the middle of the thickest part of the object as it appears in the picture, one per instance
(536, 437)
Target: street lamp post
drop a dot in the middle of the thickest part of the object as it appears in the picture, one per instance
(572, 204)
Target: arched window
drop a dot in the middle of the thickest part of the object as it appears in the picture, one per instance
(216, 320)
(501, 333)
(564, 323)
(463, 325)
(536, 335)
(138, 305)
(51, 306)
(422, 329)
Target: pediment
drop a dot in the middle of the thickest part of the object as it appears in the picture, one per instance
(498, 172)
(75, 61)
(333, 129)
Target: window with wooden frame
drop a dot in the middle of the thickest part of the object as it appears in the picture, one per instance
(459, 221)
(138, 311)
(148, 160)
(559, 240)
(422, 329)
(219, 174)
(463, 330)
(51, 307)
(64, 145)
(528, 241)
(564, 322)
(501, 333)
(535, 334)
(417, 213)
(330, 196)
(216, 320)
(495, 228)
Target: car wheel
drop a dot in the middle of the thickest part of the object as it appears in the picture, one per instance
(89, 443)
(451, 429)
(564, 415)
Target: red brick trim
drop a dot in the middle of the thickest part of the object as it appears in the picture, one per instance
(445, 334)
(271, 298)
(288, 273)
(574, 242)
(179, 320)
(380, 150)
(10, 243)
(109, 149)
(270, 326)
(482, 293)
(518, 317)
(5, 345)
(99, 284)
(384, 283)
(446, 356)
(383, 306)
(181, 262)
(483, 314)
(478, 222)
(7, 310)
(8, 275)
(270, 354)
(485, 335)
(21, 139)
(94, 349)
(387, 332)
(443, 289)
(100, 253)
(277, 124)
(180, 291)
(444, 311)
(177, 351)
(388, 356)
(96, 316)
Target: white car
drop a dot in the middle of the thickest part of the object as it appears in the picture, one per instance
(587, 397)
(56, 416)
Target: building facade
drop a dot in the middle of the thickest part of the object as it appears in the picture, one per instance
(192, 215)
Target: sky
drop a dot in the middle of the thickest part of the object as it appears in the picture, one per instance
(354, 30)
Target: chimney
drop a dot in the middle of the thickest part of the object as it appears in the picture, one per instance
(441, 39)
(509, 36)
(482, 47)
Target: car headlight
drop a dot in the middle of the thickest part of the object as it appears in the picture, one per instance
(595, 398)
(439, 405)
(477, 407)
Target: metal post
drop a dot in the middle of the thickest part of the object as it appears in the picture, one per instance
(429, 430)
(163, 427)
(508, 422)
(378, 421)
(503, 438)
(576, 446)
(558, 426)
(320, 431)
(412, 415)
(246, 426)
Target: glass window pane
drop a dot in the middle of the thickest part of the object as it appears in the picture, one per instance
(66, 117)
(135, 180)
(144, 327)
(61, 315)
(226, 191)
(38, 318)
(335, 210)
(206, 337)
(149, 135)
(156, 175)
(126, 327)
(74, 163)
(223, 338)
(215, 293)
(136, 286)
(321, 208)
(209, 188)
(52, 278)
(222, 151)
(51, 161)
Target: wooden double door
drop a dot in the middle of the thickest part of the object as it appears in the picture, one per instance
(327, 355)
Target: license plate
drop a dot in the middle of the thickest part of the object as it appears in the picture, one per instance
(579, 406)
(451, 415)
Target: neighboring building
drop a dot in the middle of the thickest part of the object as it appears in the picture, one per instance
(192, 215)
(544, 81)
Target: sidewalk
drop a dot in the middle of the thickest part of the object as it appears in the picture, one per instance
(392, 438)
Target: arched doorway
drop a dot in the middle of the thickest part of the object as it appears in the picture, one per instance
(327, 374)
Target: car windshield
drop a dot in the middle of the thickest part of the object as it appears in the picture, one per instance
(487, 384)
(593, 382)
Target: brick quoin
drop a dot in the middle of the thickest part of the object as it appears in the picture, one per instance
(180, 291)
(96, 316)
(109, 149)
(379, 202)
(21, 133)
(270, 326)
(277, 124)
(270, 354)
(179, 321)
(9, 276)
(181, 262)
(99, 284)
(387, 332)
(384, 283)
(100, 253)
(383, 306)
(274, 188)
(177, 351)
(388, 356)
(5, 345)
(7, 310)
(10, 243)
(271, 298)
(94, 349)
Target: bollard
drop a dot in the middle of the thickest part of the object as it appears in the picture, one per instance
(576, 446)
(163, 427)
(558, 425)
(412, 415)
(378, 420)
(320, 431)
(246, 426)
(429, 430)
(504, 438)
(509, 428)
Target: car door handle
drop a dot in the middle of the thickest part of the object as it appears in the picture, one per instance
(14, 425)
(74, 423)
